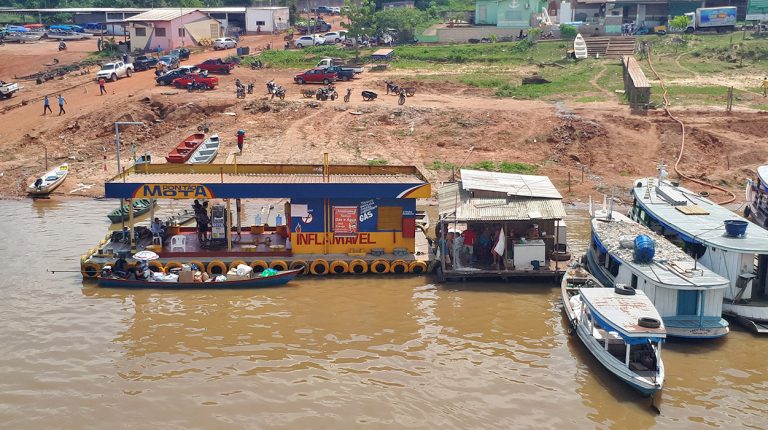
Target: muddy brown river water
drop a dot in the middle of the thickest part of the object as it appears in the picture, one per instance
(335, 353)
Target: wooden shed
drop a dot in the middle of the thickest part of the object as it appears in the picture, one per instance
(636, 85)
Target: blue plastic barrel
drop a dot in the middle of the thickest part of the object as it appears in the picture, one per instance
(644, 249)
(735, 227)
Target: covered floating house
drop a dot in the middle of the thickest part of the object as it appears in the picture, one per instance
(336, 219)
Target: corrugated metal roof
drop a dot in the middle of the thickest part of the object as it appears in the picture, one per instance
(466, 208)
(165, 14)
(510, 184)
(229, 178)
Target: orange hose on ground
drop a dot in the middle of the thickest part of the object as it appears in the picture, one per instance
(682, 142)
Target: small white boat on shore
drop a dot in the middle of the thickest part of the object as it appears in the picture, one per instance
(22, 37)
(579, 47)
(620, 327)
(206, 152)
(67, 35)
(45, 184)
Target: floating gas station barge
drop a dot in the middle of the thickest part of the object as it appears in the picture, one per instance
(337, 218)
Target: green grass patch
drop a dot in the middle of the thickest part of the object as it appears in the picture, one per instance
(377, 162)
(440, 165)
(760, 107)
(504, 167)
(590, 99)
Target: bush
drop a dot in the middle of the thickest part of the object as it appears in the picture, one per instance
(567, 31)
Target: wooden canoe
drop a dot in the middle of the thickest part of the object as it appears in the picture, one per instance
(181, 153)
(49, 182)
(140, 207)
(206, 152)
(281, 278)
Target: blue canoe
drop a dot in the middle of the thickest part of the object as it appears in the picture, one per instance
(281, 278)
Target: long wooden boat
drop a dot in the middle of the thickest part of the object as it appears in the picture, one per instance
(49, 182)
(579, 47)
(184, 150)
(67, 35)
(22, 37)
(281, 278)
(140, 207)
(574, 279)
(206, 152)
(705, 231)
(620, 327)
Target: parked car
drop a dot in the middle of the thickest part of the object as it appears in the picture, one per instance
(314, 26)
(323, 10)
(342, 73)
(181, 53)
(7, 89)
(170, 61)
(144, 62)
(224, 43)
(113, 71)
(168, 77)
(315, 76)
(193, 69)
(197, 78)
(328, 62)
(216, 65)
(335, 37)
(312, 40)
(335, 10)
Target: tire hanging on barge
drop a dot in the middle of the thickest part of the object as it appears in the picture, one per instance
(156, 266)
(90, 270)
(299, 264)
(380, 266)
(399, 267)
(259, 266)
(234, 264)
(170, 265)
(358, 267)
(339, 267)
(200, 265)
(319, 267)
(278, 265)
(217, 267)
(418, 267)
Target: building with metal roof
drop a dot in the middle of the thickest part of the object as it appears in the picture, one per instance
(172, 28)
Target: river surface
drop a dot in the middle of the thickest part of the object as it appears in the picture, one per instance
(335, 353)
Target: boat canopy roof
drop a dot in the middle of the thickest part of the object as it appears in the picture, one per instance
(671, 267)
(621, 313)
(695, 218)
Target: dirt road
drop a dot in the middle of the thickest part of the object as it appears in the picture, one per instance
(434, 129)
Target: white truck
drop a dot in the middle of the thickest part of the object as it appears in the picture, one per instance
(720, 19)
(115, 70)
(7, 89)
(331, 62)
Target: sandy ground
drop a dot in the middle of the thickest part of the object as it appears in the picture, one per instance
(603, 142)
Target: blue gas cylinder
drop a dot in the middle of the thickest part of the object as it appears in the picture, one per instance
(644, 249)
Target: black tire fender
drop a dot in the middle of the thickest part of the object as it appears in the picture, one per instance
(624, 290)
(648, 322)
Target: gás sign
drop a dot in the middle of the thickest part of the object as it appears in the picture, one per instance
(173, 191)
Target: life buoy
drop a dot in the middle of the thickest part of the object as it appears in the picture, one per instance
(319, 267)
(90, 270)
(358, 267)
(380, 266)
(624, 290)
(217, 267)
(418, 267)
(278, 265)
(299, 264)
(170, 265)
(339, 267)
(234, 264)
(156, 266)
(399, 267)
(648, 322)
(259, 266)
(200, 265)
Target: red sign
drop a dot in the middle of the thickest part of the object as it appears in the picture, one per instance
(344, 220)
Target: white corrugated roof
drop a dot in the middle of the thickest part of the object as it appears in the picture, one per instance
(164, 14)
(510, 184)
(466, 208)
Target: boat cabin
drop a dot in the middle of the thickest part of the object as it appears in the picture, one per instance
(499, 225)
(757, 198)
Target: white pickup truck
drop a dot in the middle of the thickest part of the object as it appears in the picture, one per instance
(113, 71)
(330, 62)
(7, 89)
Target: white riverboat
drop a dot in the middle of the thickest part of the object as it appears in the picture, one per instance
(698, 225)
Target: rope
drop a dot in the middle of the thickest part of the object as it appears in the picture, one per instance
(682, 140)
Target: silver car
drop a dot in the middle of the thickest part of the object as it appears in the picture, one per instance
(312, 40)
(224, 43)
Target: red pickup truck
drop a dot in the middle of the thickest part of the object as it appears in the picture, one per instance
(316, 76)
(216, 65)
(198, 79)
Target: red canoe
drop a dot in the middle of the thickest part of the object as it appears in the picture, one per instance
(184, 150)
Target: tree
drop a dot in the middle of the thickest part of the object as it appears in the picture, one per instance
(360, 21)
(567, 32)
(404, 20)
(679, 23)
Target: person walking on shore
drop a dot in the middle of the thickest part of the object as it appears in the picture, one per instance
(102, 82)
(61, 104)
(46, 105)
(765, 87)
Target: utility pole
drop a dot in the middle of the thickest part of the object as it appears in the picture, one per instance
(117, 140)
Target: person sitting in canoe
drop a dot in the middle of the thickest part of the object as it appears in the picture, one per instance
(141, 271)
(121, 267)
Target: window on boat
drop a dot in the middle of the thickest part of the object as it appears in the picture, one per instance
(593, 243)
(613, 266)
(634, 282)
(601, 258)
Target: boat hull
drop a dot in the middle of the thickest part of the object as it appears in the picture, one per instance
(281, 278)
(206, 153)
(183, 151)
(50, 186)
(116, 216)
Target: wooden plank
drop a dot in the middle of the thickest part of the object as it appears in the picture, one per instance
(635, 72)
(692, 210)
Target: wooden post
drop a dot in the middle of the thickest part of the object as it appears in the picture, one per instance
(569, 181)
(130, 221)
(582, 174)
(228, 221)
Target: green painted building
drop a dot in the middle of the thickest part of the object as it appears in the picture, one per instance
(506, 13)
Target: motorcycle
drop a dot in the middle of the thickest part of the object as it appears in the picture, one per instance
(327, 92)
(241, 92)
(401, 99)
(62, 46)
(271, 86)
(279, 92)
(257, 64)
(250, 88)
(348, 95)
(196, 86)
